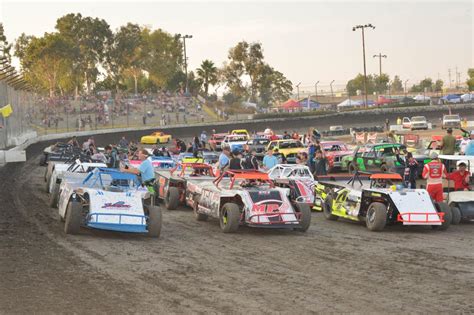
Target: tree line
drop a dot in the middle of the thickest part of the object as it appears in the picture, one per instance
(84, 55)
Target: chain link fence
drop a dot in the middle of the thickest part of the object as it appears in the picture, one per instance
(15, 128)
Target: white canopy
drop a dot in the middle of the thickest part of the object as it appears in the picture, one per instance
(350, 103)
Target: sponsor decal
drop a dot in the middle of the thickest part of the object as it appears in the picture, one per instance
(266, 208)
(118, 204)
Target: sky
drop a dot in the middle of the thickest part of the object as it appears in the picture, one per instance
(307, 41)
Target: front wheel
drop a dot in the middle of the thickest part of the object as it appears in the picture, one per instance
(53, 197)
(155, 221)
(327, 209)
(305, 217)
(230, 218)
(376, 217)
(72, 224)
(456, 213)
(172, 198)
(442, 207)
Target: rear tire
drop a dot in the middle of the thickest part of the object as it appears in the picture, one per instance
(48, 184)
(448, 216)
(53, 197)
(72, 224)
(229, 218)
(155, 220)
(197, 215)
(376, 217)
(42, 161)
(456, 215)
(172, 198)
(305, 218)
(327, 209)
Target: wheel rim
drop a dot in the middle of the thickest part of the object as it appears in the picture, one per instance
(224, 217)
(371, 215)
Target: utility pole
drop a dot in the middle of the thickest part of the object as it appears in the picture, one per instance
(298, 92)
(316, 91)
(449, 75)
(362, 27)
(406, 87)
(332, 94)
(185, 58)
(380, 56)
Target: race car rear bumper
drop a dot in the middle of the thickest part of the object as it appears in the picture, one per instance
(421, 218)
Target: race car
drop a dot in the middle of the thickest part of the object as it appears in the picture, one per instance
(155, 138)
(108, 200)
(158, 162)
(380, 157)
(62, 170)
(297, 178)
(240, 132)
(289, 148)
(235, 142)
(248, 198)
(335, 151)
(59, 152)
(460, 202)
(171, 185)
(382, 202)
(216, 140)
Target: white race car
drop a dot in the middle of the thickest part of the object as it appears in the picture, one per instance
(108, 199)
(248, 198)
(297, 178)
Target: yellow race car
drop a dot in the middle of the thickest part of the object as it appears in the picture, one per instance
(155, 138)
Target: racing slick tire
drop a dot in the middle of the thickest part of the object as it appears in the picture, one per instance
(53, 196)
(229, 218)
(305, 218)
(197, 215)
(172, 198)
(448, 216)
(155, 221)
(376, 217)
(72, 224)
(456, 215)
(327, 209)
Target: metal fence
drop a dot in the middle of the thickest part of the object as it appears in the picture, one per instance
(18, 124)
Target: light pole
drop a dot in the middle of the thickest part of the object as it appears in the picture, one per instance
(316, 90)
(380, 56)
(362, 27)
(406, 87)
(298, 92)
(332, 94)
(185, 58)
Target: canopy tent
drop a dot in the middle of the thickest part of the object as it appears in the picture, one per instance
(350, 103)
(290, 104)
(309, 104)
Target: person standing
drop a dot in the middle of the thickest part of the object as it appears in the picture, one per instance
(469, 150)
(269, 160)
(145, 170)
(224, 159)
(448, 145)
(434, 172)
(460, 178)
(203, 138)
(250, 161)
(411, 169)
(235, 162)
(320, 164)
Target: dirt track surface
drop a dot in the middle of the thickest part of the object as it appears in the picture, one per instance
(335, 267)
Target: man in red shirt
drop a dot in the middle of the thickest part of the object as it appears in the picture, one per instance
(460, 177)
(434, 172)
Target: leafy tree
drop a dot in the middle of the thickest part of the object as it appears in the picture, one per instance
(397, 84)
(424, 84)
(92, 38)
(358, 84)
(208, 75)
(274, 87)
(5, 47)
(381, 83)
(163, 57)
(470, 81)
(438, 86)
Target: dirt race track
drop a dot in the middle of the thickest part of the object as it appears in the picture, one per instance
(335, 267)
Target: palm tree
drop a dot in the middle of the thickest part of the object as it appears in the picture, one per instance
(208, 74)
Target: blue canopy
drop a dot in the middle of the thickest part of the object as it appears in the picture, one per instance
(309, 103)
